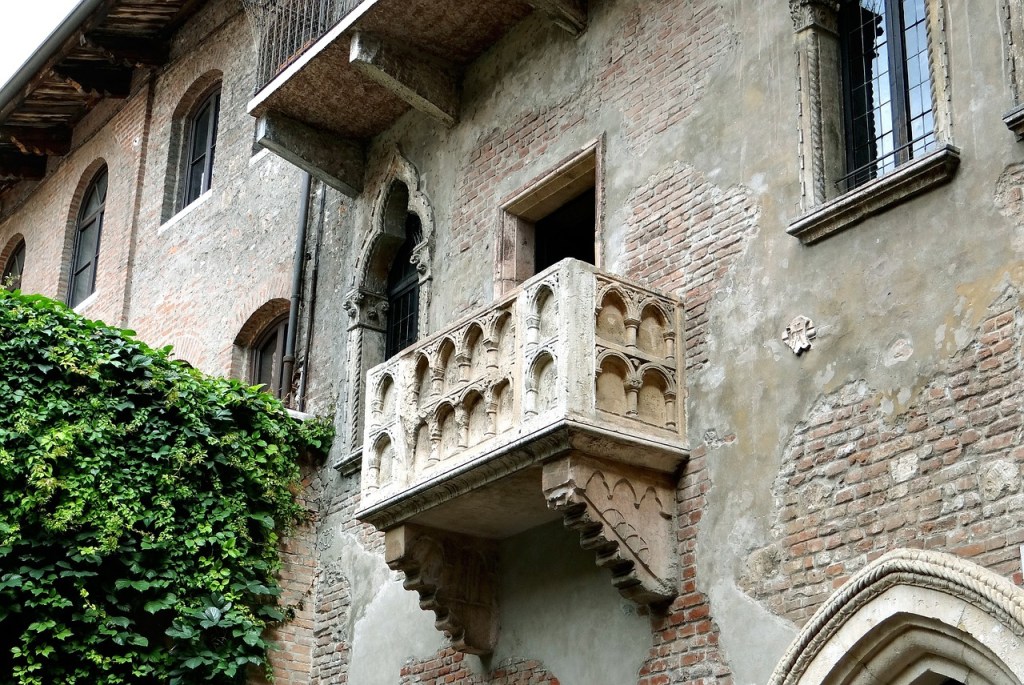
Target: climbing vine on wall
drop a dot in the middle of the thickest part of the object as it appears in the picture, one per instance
(141, 506)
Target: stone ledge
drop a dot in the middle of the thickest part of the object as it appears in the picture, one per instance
(907, 181)
(1014, 120)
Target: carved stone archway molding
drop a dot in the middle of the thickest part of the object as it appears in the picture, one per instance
(366, 301)
(908, 613)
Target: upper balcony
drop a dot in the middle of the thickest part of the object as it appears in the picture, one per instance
(334, 73)
(562, 399)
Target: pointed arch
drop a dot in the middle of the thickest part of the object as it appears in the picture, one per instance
(918, 617)
(400, 220)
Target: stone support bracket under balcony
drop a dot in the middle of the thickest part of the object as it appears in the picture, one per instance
(624, 515)
(456, 577)
(337, 162)
(424, 82)
(563, 400)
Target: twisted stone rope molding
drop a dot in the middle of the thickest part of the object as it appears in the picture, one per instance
(935, 570)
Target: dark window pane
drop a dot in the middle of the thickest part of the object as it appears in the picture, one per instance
(567, 232)
(403, 293)
(268, 359)
(887, 85)
(14, 268)
(195, 181)
(202, 142)
(88, 232)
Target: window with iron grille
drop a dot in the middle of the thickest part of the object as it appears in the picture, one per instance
(403, 293)
(14, 268)
(86, 250)
(874, 109)
(201, 145)
(267, 359)
(889, 113)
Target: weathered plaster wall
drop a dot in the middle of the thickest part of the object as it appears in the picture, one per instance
(696, 103)
(900, 427)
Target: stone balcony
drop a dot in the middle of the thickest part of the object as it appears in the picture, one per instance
(563, 399)
(335, 73)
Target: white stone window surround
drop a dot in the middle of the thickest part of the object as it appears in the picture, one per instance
(1012, 15)
(825, 210)
(185, 211)
(514, 245)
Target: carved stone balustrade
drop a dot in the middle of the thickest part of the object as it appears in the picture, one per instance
(562, 399)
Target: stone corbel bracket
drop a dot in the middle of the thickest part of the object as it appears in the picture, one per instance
(456, 577)
(623, 514)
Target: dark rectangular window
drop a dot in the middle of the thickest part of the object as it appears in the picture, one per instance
(887, 86)
(566, 232)
(403, 292)
(202, 144)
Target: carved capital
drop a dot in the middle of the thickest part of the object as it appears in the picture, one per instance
(365, 308)
(820, 14)
(456, 577)
(623, 514)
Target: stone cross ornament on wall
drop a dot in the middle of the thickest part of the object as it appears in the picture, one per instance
(798, 335)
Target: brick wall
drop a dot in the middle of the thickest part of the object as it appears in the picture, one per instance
(200, 275)
(47, 216)
(683, 236)
(945, 474)
(449, 666)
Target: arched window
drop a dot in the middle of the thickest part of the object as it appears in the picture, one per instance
(86, 250)
(266, 366)
(403, 292)
(202, 142)
(14, 267)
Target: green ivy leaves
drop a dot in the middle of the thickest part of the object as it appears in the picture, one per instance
(141, 505)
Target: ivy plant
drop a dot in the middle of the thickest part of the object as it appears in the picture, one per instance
(141, 507)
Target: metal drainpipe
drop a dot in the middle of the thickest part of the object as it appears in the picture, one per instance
(288, 361)
(300, 400)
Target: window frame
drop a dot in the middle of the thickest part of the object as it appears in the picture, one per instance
(12, 261)
(901, 118)
(826, 208)
(82, 223)
(190, 157)
(277, 329)
(519, 213)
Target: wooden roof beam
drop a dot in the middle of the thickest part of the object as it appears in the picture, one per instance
(17, 167)
(44, 142)
(135, 51)
(114, 82)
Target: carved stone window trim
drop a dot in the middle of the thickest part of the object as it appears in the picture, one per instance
(519, 210)
(874, 613)
(366, 302)
(915, 177)
(1012, 14)
(826, 210)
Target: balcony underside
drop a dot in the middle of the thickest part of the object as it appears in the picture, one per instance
(500, 494)
(323, 89)
(382, 58)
